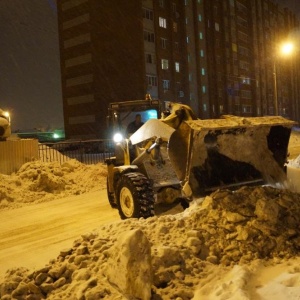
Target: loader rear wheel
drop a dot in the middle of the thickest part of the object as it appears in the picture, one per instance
(135, 196)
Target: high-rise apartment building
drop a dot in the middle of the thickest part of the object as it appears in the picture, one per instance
(232, 52)
(218, 56)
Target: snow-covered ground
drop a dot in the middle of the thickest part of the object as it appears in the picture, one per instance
(241, 245)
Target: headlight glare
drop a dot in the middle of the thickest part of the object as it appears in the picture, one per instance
(118, 138)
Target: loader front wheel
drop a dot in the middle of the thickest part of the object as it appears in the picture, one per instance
(135, 196)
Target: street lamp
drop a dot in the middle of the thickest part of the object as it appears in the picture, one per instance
(275, 90)
(285, 49)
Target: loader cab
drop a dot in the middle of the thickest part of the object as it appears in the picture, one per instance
(121, 114)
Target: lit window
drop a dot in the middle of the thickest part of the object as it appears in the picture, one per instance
(199, 17)
(164, 64)
(203, 71)
(162, 22)
(203, 89)
(246, 80)
(201, 53)
(177, 67)
(217, 27)
(204, 107)
(200, 35)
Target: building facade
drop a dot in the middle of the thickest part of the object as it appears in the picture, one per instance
(234, 63)
(218, 56)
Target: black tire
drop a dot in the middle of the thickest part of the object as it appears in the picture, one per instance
(184, 203)
(110, 196)
(135, 197)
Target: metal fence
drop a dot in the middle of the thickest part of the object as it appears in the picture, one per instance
(87, 152)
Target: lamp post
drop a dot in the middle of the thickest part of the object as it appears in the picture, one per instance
(275, 90)
(285, 49)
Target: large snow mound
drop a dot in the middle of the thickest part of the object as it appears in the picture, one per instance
(167, 257)
(44, 181)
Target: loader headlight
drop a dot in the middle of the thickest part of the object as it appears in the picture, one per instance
(6, 115)
(118, 138)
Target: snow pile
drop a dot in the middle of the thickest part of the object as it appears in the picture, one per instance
(230, 245)
(295, 162)
(209, 251)
(39, 182)
(293, 174)
(294, 142)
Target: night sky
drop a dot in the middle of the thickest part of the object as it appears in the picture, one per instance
(30, 85)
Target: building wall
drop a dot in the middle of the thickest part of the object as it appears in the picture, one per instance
(170, 44)
(215, 55)
(232, 47)
(102, 60)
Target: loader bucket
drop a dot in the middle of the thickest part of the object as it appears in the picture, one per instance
(229, 152)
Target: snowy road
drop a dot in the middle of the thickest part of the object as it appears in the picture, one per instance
(32, 235)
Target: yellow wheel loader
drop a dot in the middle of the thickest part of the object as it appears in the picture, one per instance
(179, 157)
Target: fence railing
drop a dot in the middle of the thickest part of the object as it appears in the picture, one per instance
(87, 152)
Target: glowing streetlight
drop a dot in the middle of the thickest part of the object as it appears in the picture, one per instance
(285, 49)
